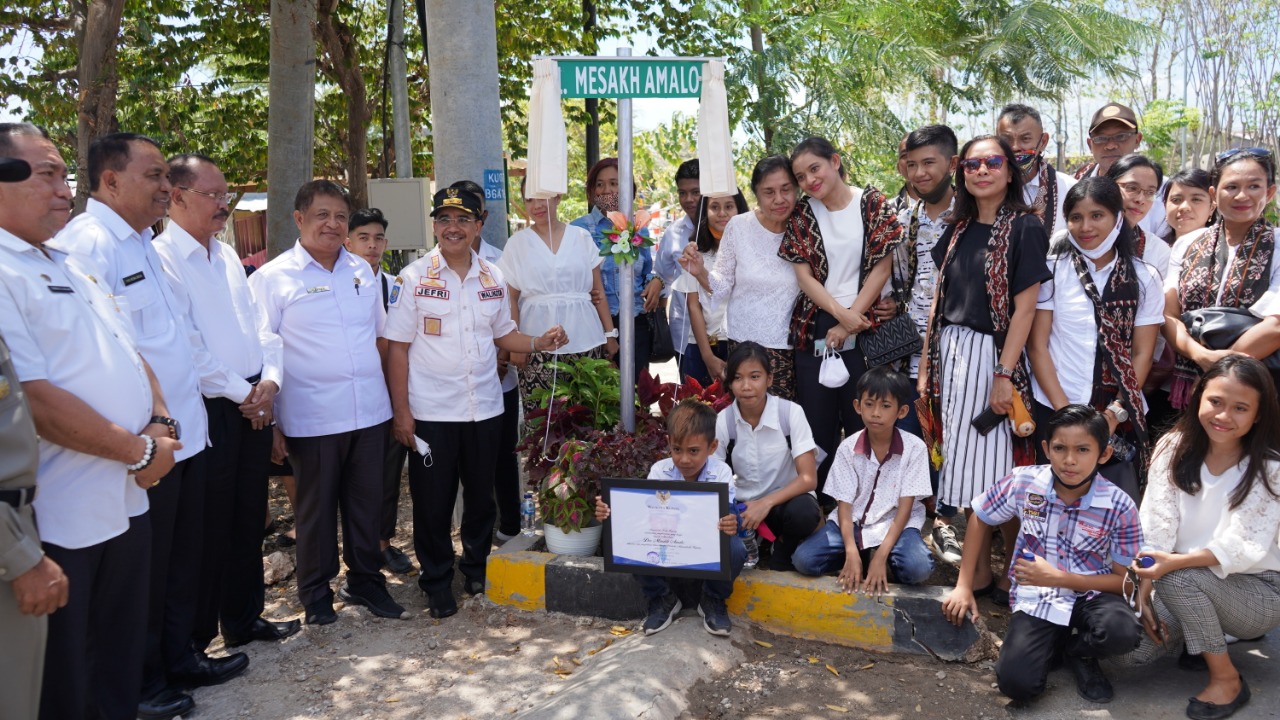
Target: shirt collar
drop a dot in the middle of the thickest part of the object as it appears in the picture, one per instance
(863, 444)
(1090, 499)
(674, 473)
(302, 258)
(15, 244)
(185, 242)
(477, 263)
(768, 416)
(113, 222)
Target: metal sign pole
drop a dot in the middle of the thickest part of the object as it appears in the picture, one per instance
(626, 270)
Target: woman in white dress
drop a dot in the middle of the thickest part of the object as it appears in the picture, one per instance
(551, 268)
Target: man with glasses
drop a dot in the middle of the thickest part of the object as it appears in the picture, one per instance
(332, 412)
(239, 364)
(1113, 133)
(1043, 187)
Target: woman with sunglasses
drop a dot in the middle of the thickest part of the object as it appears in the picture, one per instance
(1140, 180)
(1229, 264)
(974, 357)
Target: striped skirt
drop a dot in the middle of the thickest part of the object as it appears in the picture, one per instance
(971, 462)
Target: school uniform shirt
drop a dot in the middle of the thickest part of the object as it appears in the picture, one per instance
(1073, 337)
(1243, 539)
(384, 281)
(1084, 538)
(842, 236)
(762, 462)
(211, 288)
(666, 264)
(555, 288)
(329, 323)
(101, 244)
(757, 287)
(714, 471)
(873, 489)
(929, 231)
(492, 255)
(450, 323)
(1268, 304)
(64, 328)
(1032, 187)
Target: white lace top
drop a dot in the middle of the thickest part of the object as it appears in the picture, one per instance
(1245, 539)
(759, 287)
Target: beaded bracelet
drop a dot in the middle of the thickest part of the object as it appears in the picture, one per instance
(147, 454)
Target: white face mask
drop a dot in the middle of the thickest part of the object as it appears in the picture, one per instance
(1106, 245)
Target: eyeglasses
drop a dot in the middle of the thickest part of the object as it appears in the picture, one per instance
(1118, 138)
(993, 163)
(462, 220)
(1261, 153)
(1138, 190)
(226, 198)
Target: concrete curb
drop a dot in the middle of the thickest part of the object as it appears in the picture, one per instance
(907, 620)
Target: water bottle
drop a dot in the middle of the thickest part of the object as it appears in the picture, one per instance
(748, 537)
(527, 511)
(1146, 561)
(1122, 449)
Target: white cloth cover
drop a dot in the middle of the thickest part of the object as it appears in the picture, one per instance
(548, 172)
(715, 153)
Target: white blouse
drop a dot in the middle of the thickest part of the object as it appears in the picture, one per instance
(555, 288)
(712, 313)
(758, 287)
(1243, 539)
(842, 238)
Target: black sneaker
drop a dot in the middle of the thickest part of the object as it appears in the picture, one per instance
(377, 599)
(715, 618)
(321, 612)
(473, 587)
(394, 559)
(1091, 684)
(661, 612)
(442, 605)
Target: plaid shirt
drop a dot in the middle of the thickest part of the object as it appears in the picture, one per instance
(1082, 538)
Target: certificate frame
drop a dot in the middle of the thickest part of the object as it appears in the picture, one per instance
(704, 504)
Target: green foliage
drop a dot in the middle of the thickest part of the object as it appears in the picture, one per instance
(1162, 125)
(591, 383)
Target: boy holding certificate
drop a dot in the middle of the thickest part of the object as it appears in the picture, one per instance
(691, 430)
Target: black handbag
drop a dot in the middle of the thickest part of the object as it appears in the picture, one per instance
(1218, 328)
(898, 337)
(661, 348)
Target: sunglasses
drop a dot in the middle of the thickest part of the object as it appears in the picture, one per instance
(1257, 152)
(993, 163)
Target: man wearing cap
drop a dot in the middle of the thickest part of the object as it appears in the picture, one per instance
(1044, 188)
(239, 365)
(332, 412)
(447, 312)
(1113, 133)
(91, 396)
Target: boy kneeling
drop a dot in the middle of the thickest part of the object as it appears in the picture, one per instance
(691, 433)
(1079, 532)
(878, 478)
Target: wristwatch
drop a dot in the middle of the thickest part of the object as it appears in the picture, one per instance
(175, 429)
(1118, 410)
(612, 333)
(1002, 371)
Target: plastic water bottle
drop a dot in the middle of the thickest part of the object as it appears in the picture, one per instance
(1146, 561)
(749, 540)
(527, 511)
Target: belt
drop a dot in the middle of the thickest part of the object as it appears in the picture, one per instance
(19, 497)
(254, 380)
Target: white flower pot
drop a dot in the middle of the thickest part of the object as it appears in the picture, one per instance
(577, 542)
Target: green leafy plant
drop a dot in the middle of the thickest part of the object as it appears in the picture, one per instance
(588, 382)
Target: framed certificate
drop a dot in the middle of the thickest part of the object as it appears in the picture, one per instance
(665, 527)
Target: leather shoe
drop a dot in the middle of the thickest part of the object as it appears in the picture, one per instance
(394, 559)
(474, 587)
(1091, 684)
(1201, 710)
(206, 671)
(166, 704)
(263, 630)
(442, 605)
(321, 612)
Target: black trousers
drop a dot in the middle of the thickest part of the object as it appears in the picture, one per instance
(392, 471)
(235, 501)
(336, 472)
(792, 522)
(506, 477)
(643, 339)
(177, 549)
(459, 450)
(93, 660)
(829, 410)
(1100, 627)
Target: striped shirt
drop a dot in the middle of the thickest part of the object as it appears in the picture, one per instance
(1083, 538)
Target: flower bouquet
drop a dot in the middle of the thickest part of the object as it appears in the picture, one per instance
(623, 241)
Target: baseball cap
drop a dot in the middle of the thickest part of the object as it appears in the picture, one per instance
(14, 170)
(457, 199)
(1113, 111)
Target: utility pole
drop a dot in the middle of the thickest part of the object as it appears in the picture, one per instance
(399, 91)
(291, 116)
(592, 104)
(466, 117)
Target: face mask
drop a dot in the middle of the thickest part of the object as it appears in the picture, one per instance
(1106, 245)
(938, 192)
(1026, 161)
(607, 202)
(1082, 483)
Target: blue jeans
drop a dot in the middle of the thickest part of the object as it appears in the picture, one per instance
(911, 424)
(656, 586)
(910, 562)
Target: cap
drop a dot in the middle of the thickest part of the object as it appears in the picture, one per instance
(457, 199)
(14, 170)
(1113, 111)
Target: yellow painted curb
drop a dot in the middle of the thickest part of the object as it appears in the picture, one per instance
(518, 579)
(807, 607)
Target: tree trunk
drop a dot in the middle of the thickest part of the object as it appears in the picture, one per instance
(291, 117)
(97, 80)
(341, 63)
(766, 111)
